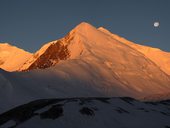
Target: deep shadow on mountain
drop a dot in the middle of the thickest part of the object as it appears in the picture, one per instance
(121, 109)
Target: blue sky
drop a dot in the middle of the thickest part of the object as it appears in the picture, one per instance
(29, 24)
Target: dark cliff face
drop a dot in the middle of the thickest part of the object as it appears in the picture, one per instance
(54, 53)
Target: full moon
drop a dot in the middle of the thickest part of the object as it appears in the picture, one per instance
(156, 24)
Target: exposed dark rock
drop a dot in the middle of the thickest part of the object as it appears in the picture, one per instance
(84, 101)
(24, 112)
(166, 114)
(104, 100)
(54, 53)
(128, 100)
(54, 112)
(87, 111)
(165, 102)
(71, 100)
(54, 108)
(152, 103)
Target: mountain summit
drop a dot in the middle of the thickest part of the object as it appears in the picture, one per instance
(89, 62)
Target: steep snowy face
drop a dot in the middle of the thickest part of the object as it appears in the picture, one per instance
(159, 57)
(53, 52)
(11, 57)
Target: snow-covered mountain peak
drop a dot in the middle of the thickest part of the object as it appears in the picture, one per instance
(84, 27)
(89, 62)
(88, 53)
(86, 30)
(84, 39)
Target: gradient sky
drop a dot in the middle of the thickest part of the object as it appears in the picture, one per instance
(29, 24)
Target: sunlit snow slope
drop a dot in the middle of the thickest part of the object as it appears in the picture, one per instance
(11, 57)
(92, 55)
(159, 57)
